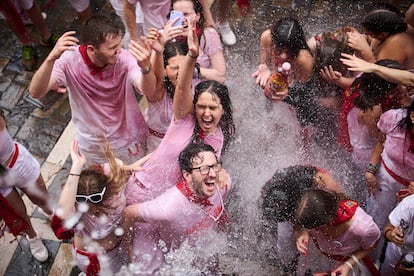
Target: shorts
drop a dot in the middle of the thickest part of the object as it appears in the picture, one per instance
(23, 174)
(79, 5)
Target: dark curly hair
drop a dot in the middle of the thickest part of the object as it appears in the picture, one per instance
(281, 193)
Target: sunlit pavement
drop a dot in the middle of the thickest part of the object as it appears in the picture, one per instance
(44, 128)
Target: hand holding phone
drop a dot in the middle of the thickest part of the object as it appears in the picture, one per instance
(179, 15)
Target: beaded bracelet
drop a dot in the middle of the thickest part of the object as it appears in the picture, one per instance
(371, 168)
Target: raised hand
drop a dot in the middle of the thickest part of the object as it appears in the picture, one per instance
(141, 51)
(330, 75)
(66, 42)
(192, 39)
(78, 159)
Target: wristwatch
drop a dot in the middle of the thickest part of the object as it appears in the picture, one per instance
(197, 74)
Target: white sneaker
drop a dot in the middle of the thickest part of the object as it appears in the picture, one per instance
(227, 35)
(38, 249)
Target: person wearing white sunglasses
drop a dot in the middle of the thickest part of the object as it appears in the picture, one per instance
(90, 210)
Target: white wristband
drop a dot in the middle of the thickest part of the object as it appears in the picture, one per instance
(349, 265)
(355, 259)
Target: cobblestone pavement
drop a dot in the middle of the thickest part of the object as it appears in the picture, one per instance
(46, 131)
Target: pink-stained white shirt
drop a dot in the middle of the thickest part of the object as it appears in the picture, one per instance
(155, 12)
(159, 116)
(104, 106)
(162, 170)
(210, 44)
(172, 217)
(395, 154)
(363, 233)
(405, 210)
(362, 142)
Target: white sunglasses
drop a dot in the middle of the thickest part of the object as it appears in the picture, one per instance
(94, 198)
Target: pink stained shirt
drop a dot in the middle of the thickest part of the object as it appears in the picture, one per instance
(177, 217)
(106, 106)
(363, 233)
(159, 116)
(162, 170)
(361, 140)
(155, 12)
(395, 154)
(210, 44)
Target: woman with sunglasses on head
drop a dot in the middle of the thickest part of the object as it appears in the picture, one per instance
(90, 210)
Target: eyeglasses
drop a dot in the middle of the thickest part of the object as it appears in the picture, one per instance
(94, 198)
(204, 170)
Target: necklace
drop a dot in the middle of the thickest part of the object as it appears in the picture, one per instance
(215, 219)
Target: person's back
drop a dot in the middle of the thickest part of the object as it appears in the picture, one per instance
(398, 47)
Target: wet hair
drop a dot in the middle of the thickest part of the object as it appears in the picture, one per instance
(379, 21)
(190, 152)
(288, 34)
(406, 122)
(94, 180)
(329, 52)
(172, 49)
(389, 7)
(374, 88)
(318, 207)
(98, 28)
(280, 194)
(226, 122)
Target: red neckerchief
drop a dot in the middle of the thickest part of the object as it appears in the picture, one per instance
(348, 103)
(185, 190)
(201, 134)
(95, 70)
(346, 211)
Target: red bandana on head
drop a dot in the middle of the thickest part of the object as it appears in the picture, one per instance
(346, 211)
(95, 70)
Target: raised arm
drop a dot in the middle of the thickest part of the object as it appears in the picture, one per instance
(403, 77)
(183, 97)
(157, 41)
(42, 82)
(142, 53)
(67, 197)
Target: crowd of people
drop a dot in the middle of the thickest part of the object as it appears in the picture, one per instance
(141, 177)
